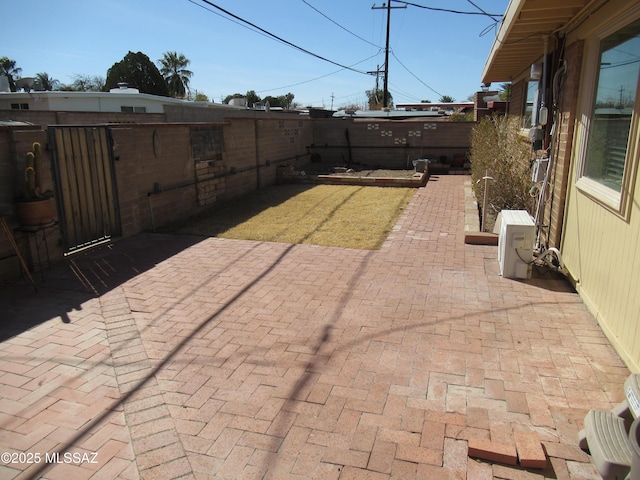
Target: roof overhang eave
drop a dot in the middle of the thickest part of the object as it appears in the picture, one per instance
(489, 73)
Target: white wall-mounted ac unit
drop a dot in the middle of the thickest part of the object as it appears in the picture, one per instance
(515, 244)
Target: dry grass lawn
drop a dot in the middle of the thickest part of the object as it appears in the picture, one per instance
(331, 215)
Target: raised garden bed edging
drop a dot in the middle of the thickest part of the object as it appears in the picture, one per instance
(418, 180)
(472, 233)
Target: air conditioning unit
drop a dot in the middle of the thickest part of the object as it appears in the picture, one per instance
(515, 244)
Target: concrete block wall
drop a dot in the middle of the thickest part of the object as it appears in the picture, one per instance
(161, 179)
(155, 183)
(282, 142)
(210, 182)
(163, 174)
(207, 152)
(240, 146)
(390, 143)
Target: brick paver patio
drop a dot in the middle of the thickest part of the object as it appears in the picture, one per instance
(214, 358)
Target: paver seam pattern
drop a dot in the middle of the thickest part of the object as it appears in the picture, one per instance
(154, 437)
(258, 360)
(64, 400)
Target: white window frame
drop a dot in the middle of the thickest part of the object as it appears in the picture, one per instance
(617, 202)
(530, 122)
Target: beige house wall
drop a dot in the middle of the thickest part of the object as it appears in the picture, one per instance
(600, 246)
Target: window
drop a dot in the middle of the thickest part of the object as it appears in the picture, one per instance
(608, 156)
(19, 106)
(126, 109)
(530, 105)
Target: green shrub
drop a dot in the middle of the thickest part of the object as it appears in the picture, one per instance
(461, 117)
(497, 147)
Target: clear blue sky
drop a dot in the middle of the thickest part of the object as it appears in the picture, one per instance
(432, 53)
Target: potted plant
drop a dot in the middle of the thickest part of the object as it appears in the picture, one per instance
(34, 207)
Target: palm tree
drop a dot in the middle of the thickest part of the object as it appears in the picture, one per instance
(173, 69)
(447, 99)
(505, 91)
(9, 70)
(46, 81)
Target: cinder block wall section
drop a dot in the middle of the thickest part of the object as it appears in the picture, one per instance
(166, 172)
(154, 174)
(282, 142)
(390, 143)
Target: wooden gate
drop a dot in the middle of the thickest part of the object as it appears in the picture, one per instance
(86, 185)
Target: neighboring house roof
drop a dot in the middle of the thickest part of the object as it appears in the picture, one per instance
(520, 41)
(425, 105)
(111, 101)
(395, 114)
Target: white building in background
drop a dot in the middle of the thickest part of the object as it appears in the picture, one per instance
(113, 101)
(122, 99)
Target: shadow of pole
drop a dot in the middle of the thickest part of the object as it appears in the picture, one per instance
(283, 420)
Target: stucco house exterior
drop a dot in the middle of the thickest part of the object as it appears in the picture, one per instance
(575, 72)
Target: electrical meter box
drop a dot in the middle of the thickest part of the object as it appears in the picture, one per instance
(515, 244)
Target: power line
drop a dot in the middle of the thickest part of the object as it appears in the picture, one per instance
(343, 28)
(497, 18)
(279, 39)
(194, 2)
(316, 78)
(349, 96)
(435, 9)
(401, 93)
(413, 75)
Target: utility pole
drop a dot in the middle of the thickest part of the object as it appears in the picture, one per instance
(388, 7)
(376, 72)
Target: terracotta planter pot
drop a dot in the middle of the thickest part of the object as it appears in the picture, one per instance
(34, 213)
